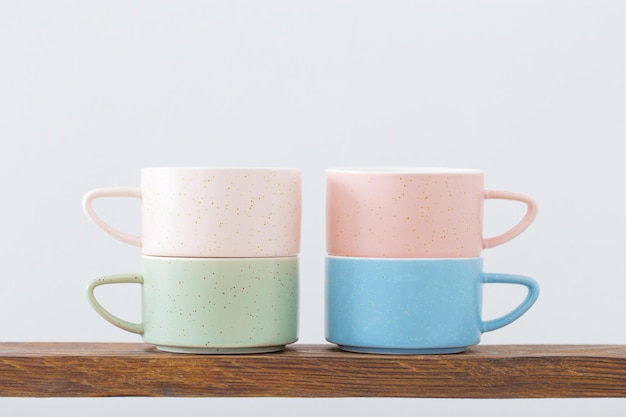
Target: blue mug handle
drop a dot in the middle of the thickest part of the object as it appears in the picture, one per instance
(531, 297)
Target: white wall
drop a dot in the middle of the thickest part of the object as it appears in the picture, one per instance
(532, 92)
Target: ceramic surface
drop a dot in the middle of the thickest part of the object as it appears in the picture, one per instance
(212, 212)
(412, 306)
(412, 213)
(212, 305)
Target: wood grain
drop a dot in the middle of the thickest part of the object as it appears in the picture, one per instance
(487, 371)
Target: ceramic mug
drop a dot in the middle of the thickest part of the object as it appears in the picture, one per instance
(210, 305)
(412, 306)
(212, 212)
(412, 213)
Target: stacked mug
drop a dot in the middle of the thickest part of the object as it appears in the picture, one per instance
(220, 253)
(404, 273)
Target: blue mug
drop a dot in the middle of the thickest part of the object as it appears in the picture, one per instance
(412, 306)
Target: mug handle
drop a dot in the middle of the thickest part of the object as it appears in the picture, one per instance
(529, 217)
(531, 297)
(114, 279)
(111, 192)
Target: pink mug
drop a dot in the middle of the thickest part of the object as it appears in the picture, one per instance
(412, 213)
(212, 212)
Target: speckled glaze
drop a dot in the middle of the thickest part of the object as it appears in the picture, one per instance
(212, 212)
(207, 305)
(412, 213)
(412, 306)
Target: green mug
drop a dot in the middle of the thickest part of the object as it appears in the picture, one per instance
(212, 305)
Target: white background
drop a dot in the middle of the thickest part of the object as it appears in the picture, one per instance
(531, 92)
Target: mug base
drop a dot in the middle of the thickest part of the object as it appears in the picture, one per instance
(220, 351)
(402, 351)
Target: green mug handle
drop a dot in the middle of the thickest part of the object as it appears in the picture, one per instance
(114, 279)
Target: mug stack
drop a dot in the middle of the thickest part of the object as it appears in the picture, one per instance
(404, 266)
(220, 251)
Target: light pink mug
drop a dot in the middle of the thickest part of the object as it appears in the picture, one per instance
(212, 212)
(412, 213)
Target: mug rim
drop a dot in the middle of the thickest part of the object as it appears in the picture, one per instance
(224, 259)
(405, 260)
(220, 168)
(406, 170)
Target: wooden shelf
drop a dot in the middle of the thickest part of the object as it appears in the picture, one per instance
(485, 371)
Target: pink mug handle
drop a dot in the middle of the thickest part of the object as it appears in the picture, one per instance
(531, 213)
(111, 192)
